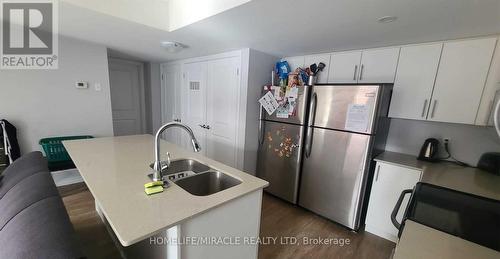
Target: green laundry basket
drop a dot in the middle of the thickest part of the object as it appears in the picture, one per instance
(55, 151)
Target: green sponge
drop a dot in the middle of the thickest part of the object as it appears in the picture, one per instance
(153, 189)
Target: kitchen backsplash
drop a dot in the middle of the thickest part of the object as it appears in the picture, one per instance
(467, 142)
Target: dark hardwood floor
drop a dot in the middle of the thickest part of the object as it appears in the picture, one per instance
(279, 219)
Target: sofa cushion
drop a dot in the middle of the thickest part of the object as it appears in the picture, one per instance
(21, 168)
(30, 190)
(40, 231)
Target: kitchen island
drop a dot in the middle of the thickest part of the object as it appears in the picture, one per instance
(174, 222)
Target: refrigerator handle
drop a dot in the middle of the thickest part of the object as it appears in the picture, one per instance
(310, 123)
(260, 135)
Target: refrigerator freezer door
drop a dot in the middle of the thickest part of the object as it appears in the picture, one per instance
(279, 158)
(346, 107)
(333, 175)
(301, 109)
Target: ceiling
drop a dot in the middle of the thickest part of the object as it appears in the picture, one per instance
(290, 27)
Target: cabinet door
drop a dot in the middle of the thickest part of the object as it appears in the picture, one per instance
(222, 109)
(417, 68)
(388, 183)
(378, 65)
(194, 91)
(460, 80)
(295, 62)
(325, 58)
(344, 67)
(171, 100)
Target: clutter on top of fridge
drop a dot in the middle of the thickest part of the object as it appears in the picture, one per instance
(282, 99)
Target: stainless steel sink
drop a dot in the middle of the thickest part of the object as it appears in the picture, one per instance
(184, 165)
(207, 183)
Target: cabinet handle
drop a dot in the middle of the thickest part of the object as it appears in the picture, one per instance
(378, 171)
(355, 72)
(423, 110)
(203, 126)
(433, 108)
(361, 72)
(207, 126)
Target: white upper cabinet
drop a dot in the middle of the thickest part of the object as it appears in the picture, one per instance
(344, 67)
(367, 66)
(295, 62)
(378, 65)
(417, 68)
(325, 58)
(460, 80)
(491, 93)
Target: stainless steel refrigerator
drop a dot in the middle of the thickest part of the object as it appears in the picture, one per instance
(280, 148)
(347, 126)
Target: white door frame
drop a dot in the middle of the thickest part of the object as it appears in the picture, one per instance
(142, 98)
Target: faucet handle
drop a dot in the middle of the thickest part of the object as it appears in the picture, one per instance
(167, 162)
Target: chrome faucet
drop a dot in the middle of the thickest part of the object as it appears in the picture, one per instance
(159, 165)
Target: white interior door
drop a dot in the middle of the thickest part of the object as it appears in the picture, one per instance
(414, 82)
(171, 100)
(222, 109)
(344, 67)
(378, 65)
(194, 91)
(127, 97)
(460, 80)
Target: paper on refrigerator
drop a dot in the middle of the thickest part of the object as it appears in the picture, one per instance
(358, 117)
(269, 103)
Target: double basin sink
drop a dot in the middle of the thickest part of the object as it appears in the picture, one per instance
(197, 178)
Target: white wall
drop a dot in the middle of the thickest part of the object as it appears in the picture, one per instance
(467, 142)
(152, 87)
(45, 103)
(259, 70)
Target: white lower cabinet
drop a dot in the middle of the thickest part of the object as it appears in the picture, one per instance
(388, 183)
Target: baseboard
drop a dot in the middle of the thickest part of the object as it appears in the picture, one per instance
(66, 177)
(381, 233)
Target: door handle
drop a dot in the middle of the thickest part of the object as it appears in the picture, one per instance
(378, 172)
(310, 123)
(355, 72)
(434, 108)
(361, 72)
(203, 126)
(260, 135)
(397, 207)
(423, 110)
(207, 127)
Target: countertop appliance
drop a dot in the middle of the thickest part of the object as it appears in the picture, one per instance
(429, 150)
(279, 155)
(347, 126)
(326, 149)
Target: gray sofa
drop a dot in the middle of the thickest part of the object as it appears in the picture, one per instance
(33, 220)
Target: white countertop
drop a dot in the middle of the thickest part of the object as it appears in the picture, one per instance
(419, 241)
(115, 170)
(464, 179)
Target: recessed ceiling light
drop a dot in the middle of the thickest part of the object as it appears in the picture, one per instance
(172, 46)
(387, 19)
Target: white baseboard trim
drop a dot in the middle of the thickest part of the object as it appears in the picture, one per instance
(66, 177)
